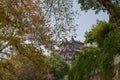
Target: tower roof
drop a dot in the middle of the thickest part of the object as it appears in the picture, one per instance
(70, 48)
(72, 39)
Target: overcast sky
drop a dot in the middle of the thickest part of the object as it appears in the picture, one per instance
(86, 20)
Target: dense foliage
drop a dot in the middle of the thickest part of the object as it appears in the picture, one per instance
(25, 31)
(23, 67)
(99, 60)
(59, 68)
(23, 34)
(92, 62)
(98, 33)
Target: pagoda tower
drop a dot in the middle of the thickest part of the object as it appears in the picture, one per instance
(69, 49)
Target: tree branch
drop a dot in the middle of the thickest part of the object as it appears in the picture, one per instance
(110, 8)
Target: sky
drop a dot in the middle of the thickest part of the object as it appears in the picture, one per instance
(86, 20)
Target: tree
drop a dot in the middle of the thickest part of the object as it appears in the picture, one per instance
(98, 33)
(109, 5)
(105, 35)
(86, 64)
(98, 59)
(60, 16)
(32, 64)
(59, 68)
(22, 21)
(93, 61)
(21, 67)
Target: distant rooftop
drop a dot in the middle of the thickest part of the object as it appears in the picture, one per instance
(69, 49)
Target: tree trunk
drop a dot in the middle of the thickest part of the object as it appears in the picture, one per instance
(111, 9)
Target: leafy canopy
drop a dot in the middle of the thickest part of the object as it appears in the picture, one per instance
(98, 33)
(59, 68)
